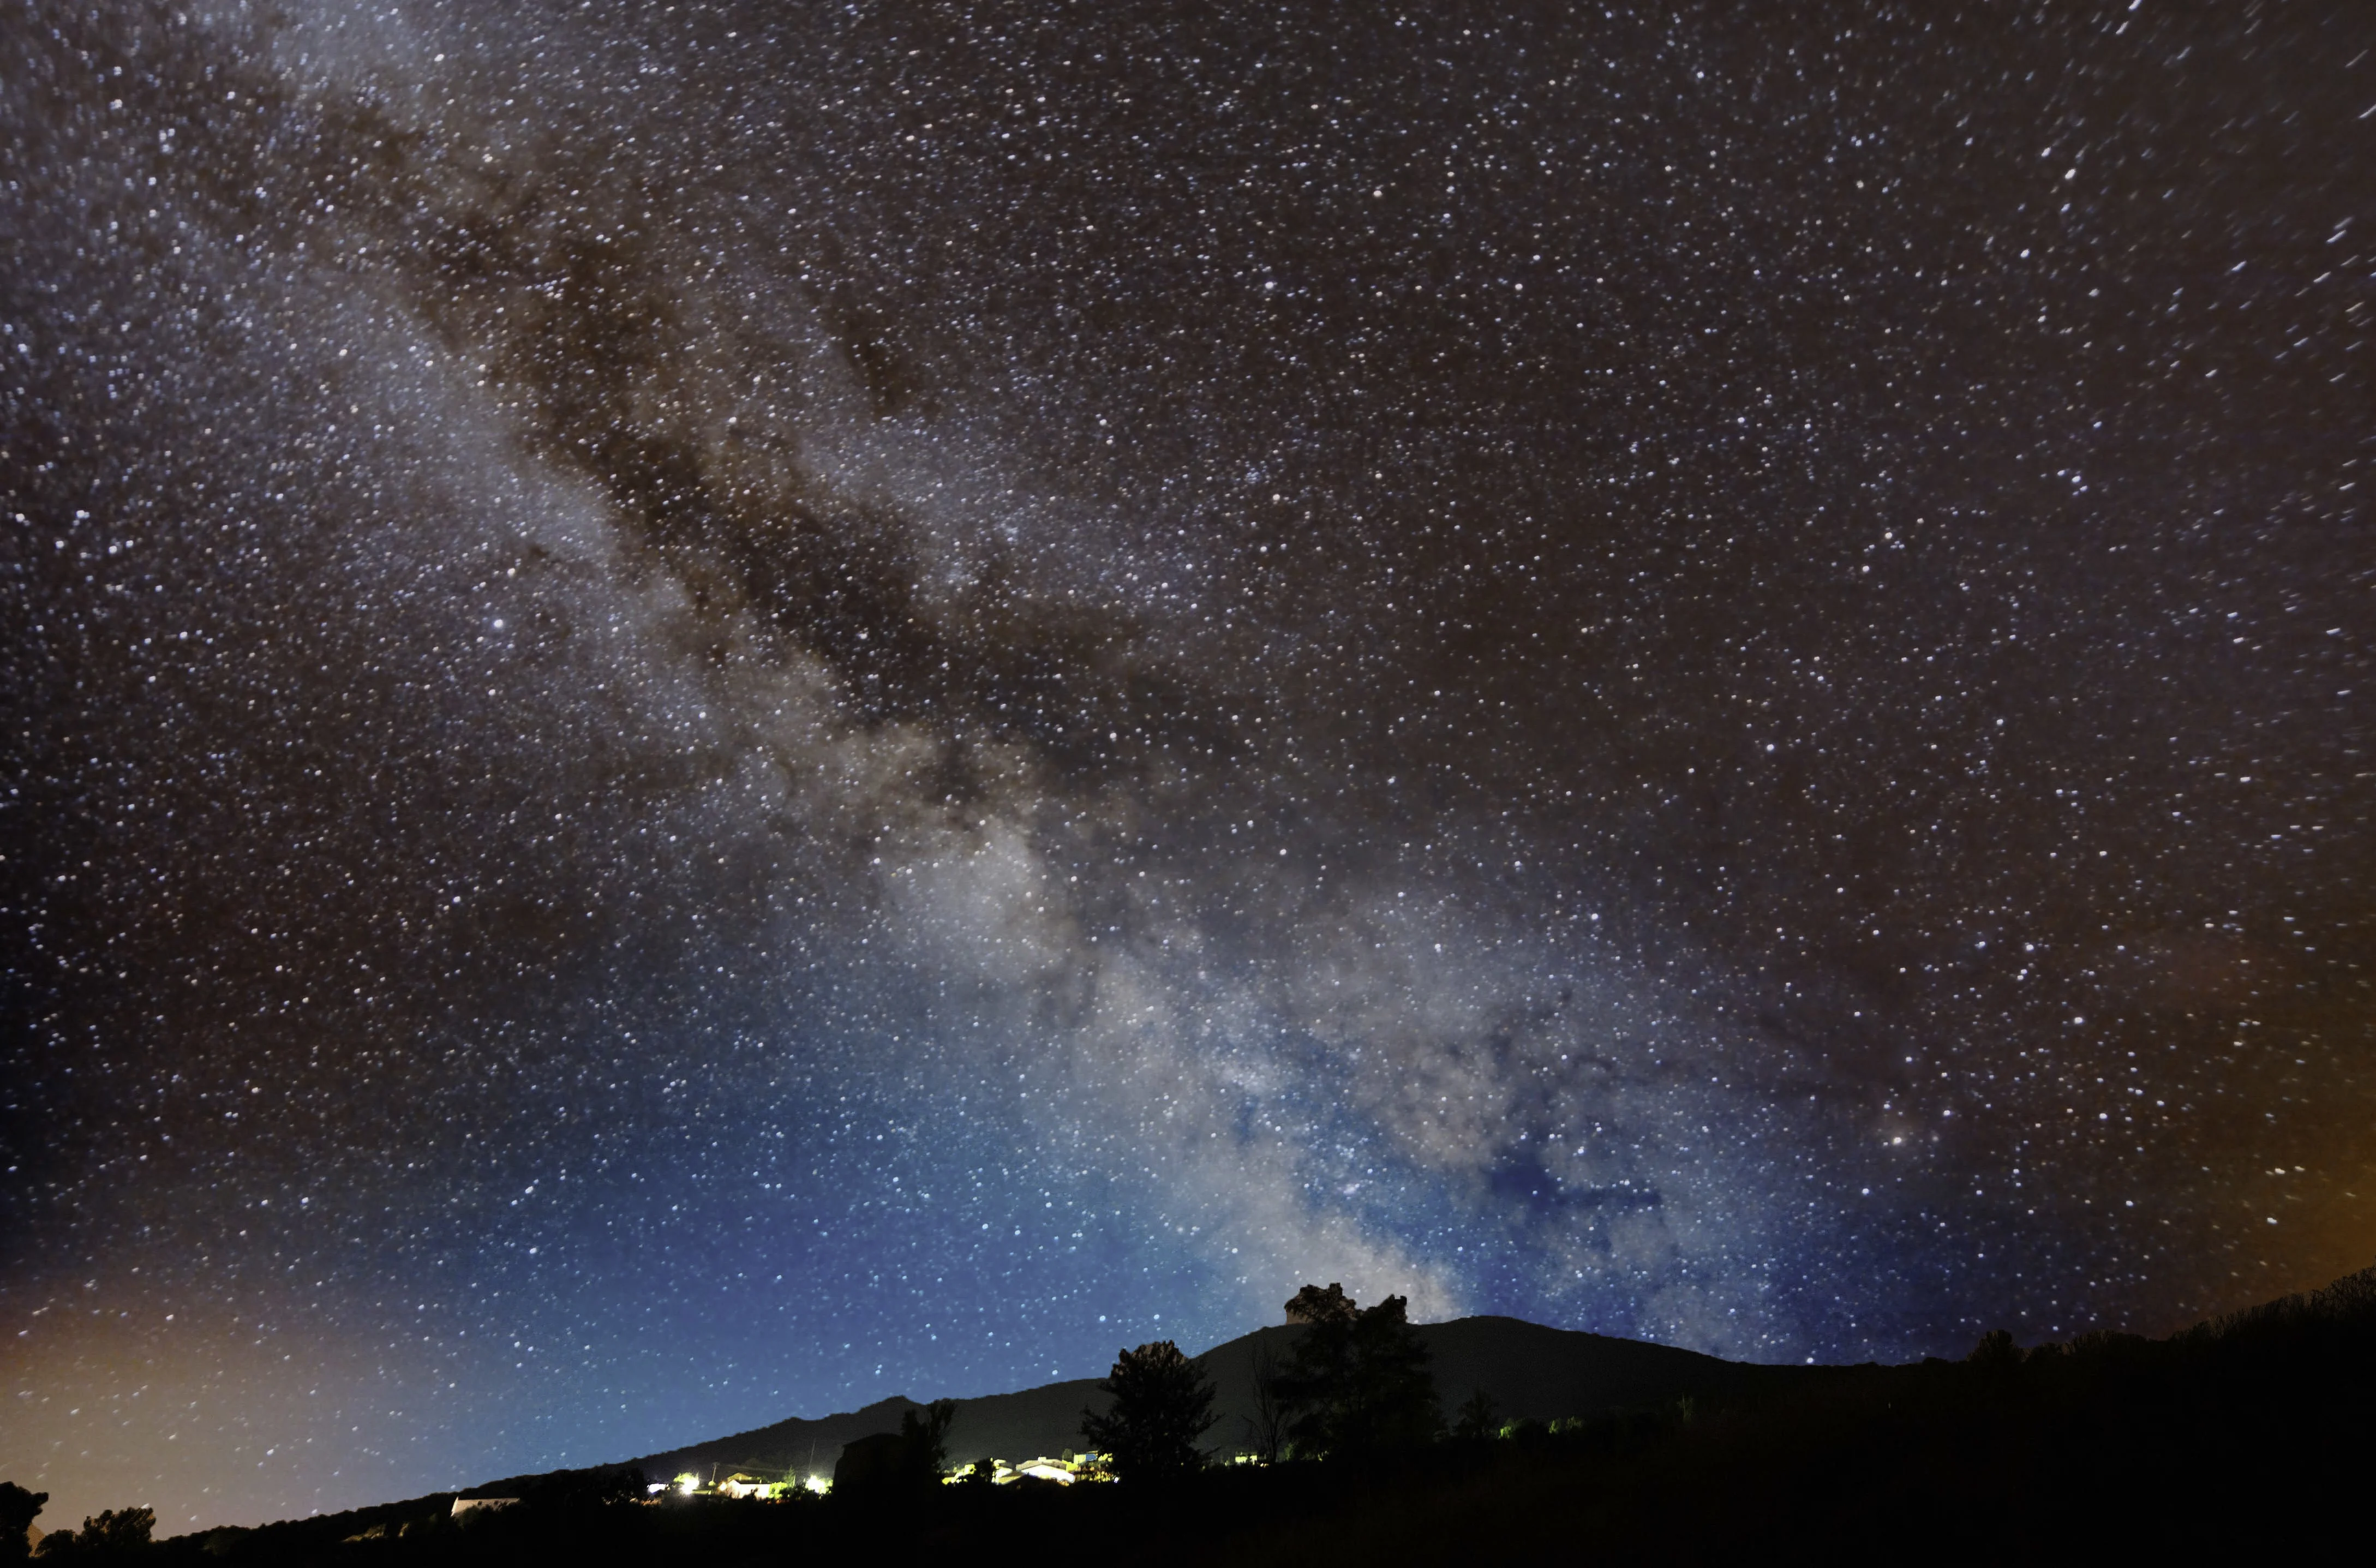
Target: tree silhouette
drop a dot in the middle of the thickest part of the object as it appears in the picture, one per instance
(1274, 1409)
(1162, 1403)
(927, 1437)
(1360, 1376)
(18, 1508)
(1320, 1371)
(113, 1535)
(1330, 1307)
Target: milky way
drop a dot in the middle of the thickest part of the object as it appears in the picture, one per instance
(716, 710)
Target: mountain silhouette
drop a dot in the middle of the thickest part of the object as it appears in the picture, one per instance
(1526, 1370)
(2243, 1437)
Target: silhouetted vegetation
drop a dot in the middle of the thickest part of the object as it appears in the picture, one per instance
(1162, 1407)
(18, 1509)
(116, 1535)
(1359, 1380)
(1266, 1435)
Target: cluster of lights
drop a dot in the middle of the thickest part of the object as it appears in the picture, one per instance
(689, 1485)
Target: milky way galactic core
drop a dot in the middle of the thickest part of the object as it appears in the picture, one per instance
(714, 710)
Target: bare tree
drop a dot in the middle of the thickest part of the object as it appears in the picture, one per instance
(1266, 1428)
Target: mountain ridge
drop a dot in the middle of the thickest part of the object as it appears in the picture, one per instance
(1528, 1369)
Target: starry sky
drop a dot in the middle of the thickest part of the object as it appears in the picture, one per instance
(713, 710)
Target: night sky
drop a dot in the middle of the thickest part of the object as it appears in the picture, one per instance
(715, 710)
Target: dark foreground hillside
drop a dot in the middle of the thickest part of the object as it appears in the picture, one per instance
(2242, 1440)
